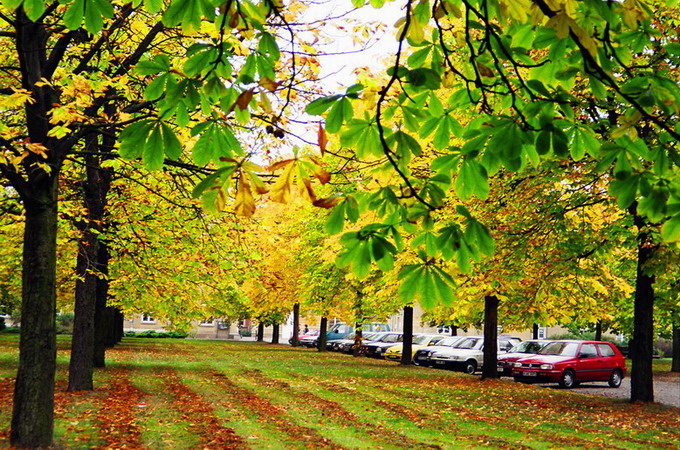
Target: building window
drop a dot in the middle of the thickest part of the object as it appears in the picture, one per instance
(542, 332)
(207, 322)
(222, 325)
(147, 318)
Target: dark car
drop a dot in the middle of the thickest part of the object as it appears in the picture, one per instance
(519, 351)
(379, 346)
(572, 362)
(346, 345)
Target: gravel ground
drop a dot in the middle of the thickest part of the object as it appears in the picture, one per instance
(666, 389)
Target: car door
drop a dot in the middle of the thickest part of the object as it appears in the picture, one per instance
(608, 360)
(589, 366)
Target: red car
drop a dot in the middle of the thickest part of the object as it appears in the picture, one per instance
(572, 362)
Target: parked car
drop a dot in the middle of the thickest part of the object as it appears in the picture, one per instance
(569, 363)
(521, 350)
(346, 345)
(342, 330)
(306, 340)
(422, 357)
(468, 354)
(419, 341)
(378, 346)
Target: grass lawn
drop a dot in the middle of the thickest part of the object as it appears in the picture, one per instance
(217, 394)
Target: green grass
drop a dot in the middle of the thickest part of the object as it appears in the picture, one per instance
(254, 395)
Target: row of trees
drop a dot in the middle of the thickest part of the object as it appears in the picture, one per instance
(498, 136)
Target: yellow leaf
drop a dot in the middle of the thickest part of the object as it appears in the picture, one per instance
(282, 188)
(245, 203)
(322, 139)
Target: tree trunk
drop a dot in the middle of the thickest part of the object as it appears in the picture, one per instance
(358, 338)
(642, 381)
(675, 365)
(103, 315)
(407, 346)
(534, 331)
(81, 366)
(120, 325)
(275, 333)
(95, 188)
(598, 330)
(295, 342)
(323, 329)
(454, 330)
(489, 368)
(33, 417)
(260, 332)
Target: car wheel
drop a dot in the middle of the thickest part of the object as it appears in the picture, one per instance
(568, 379)
(470, 367)
(616, 378)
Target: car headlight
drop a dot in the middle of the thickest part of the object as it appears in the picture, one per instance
(517, 364)
(546, 366)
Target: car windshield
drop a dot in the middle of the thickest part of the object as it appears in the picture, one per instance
(448, 342)
(467, 343)
(390, 338)
(560, 348)
(421, 340)
(527, 347)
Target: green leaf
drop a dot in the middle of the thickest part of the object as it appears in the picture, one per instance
(340, 112)
(423, 77)
(34, 9)
(156, 88)
(442, 135)
(336, 219)
(624, 191)
(173, 148)
(133, 138)
(670, 231)
(321, 105)
(153, 155)
(73, 16)
(409, 276)
(472, 180)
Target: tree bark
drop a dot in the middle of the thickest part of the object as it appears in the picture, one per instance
(95, 188)
(81, 366)
(489, 368)
(275, 333)
(454, 330)
(323, 329)
(358, 338)
(407, 346)
(119, 318)
(103, 324)
(295, 342)
(534, 331)
(675, 365)
(642, 380)
(260, 332)
(598, 330)
(33, 417)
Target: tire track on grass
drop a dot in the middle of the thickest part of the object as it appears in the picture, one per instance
(335, 411)
(117, 416)
(271, 414)
(197, 411)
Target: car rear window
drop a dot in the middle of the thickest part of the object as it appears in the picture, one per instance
(606, 350)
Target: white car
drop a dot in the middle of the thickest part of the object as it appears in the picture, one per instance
(468, 354)
(423, 356)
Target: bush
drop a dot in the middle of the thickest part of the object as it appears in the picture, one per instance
(245, 333)
(65, 323)
(15, 330)
(587, 336)
(157, 334)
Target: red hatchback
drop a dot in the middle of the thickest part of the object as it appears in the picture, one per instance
(572, 362)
